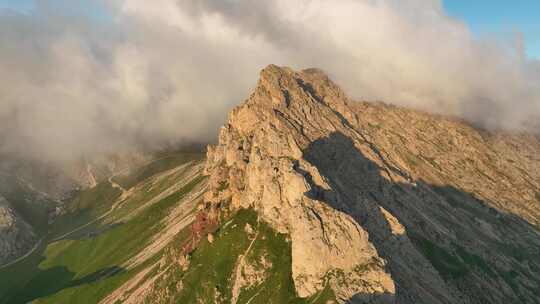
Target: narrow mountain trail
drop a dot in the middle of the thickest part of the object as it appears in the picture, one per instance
(125, 194)
(91, 177)
(156, 203)
(240, 266)
(123, 197)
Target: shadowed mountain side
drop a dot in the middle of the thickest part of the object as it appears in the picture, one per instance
(380, 200)
(377, 298)
(55, 279)
(445, 229)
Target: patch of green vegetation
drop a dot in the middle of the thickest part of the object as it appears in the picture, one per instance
(451, 265)
(475, 261)
(508, 277)
(97, 199)
(323, 297)
(93, 288)
(448, 265)
(87, 205)
(36, 214)
(519, 253)
(163, 164)
(214, 263)
(86, 270)
(14, 277)
(34, 210)
(469, 204)
(148, 191)
(212, 267)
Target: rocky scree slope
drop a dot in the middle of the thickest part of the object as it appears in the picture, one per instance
(16, 235)
(380, 203)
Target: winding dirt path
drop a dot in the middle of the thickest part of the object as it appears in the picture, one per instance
(125, 194)
(240, 266)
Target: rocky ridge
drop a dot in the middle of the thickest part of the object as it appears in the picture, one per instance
(382, 203)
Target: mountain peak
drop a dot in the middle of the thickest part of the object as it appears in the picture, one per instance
(282, 82)
(354, 182)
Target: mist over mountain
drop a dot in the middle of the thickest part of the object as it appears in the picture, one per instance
(254, 152)
(140, 73)
(307, 197)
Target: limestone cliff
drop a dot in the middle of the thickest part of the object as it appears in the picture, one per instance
(384, 204)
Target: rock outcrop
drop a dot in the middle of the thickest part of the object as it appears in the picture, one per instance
(16, 236)
(260, 157)
(381, 203)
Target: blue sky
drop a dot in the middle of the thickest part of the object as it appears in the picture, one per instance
(21, 5)
(496, 17)
(485, 17)
(90, 8)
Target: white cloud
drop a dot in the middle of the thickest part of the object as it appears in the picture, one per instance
(166, 71)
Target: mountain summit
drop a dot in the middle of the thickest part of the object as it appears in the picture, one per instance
(382, 203)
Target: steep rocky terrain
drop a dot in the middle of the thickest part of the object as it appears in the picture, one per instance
(16, 236)
(382, 203)
(308, 197)
(26, 213)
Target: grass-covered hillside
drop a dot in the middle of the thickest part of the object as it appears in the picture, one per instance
(243, 261)
(109, 234)
(145, 237)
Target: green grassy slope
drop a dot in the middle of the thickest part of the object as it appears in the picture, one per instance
(162, 164)
(86, 266)
(210, 276)
(87, 205)
(27, 203)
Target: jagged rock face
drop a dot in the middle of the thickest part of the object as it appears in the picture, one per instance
(383, 203)
(260, 157)
(16, 236)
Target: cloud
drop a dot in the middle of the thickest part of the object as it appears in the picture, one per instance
(165, 71)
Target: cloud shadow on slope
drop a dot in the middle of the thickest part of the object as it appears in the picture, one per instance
(55, 279)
